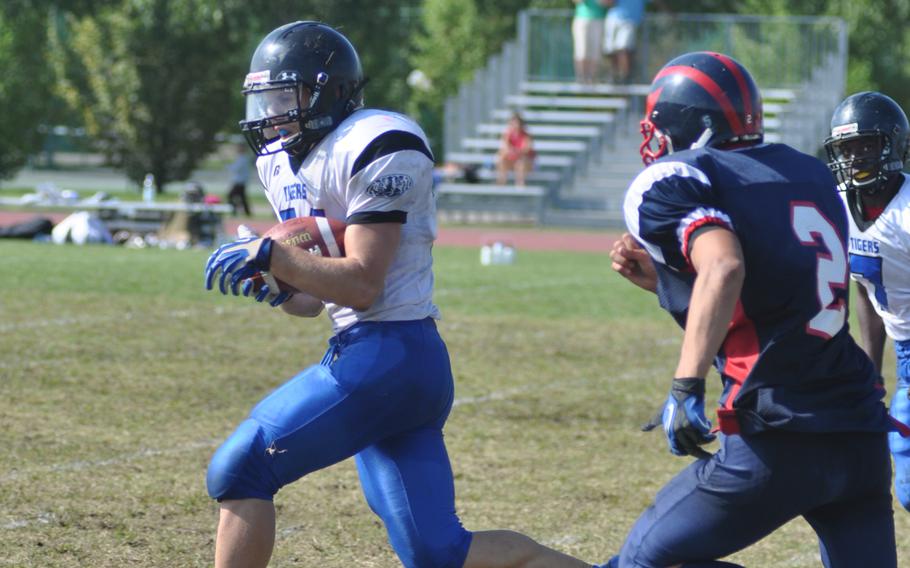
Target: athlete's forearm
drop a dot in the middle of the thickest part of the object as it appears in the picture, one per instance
(354, 281)
(714, 298)
(338, 280)
(717, 259)
(871, 327)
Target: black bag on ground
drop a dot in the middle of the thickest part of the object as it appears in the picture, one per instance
(27, 229)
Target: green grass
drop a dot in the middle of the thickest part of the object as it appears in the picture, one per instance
(119, 375)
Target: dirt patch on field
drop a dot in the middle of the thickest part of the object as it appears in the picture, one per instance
(477, 236)
(522, 239)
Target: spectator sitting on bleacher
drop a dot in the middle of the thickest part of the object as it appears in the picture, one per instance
(516, 151)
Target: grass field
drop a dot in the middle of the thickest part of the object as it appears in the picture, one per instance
(119, 376)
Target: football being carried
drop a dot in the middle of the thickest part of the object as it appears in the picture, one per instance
(316, 235)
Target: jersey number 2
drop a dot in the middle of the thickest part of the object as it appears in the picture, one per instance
(811, 227)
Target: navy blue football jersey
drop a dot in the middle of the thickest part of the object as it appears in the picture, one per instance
(788, 361)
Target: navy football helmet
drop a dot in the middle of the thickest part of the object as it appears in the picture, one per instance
(700, 99)
(301, 62)
(867, 149)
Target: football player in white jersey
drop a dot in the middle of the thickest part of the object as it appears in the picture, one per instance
(866, 151)
(384, 389)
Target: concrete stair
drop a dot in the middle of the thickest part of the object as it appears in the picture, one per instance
(587, 139)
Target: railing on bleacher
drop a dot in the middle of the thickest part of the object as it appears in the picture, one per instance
(799, 62)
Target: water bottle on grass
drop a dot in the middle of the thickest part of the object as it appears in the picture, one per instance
(148, 188)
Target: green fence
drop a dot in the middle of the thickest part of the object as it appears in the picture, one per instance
(779, 51)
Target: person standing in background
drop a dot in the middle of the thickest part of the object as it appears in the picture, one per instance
(240, 173)
(587, 37)
(622, 22)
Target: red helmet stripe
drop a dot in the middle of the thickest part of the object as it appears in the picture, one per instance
(652, 99)
(713, 89)
(740, 80)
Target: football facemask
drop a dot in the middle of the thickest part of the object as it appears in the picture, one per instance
(858, 161)
(284, 111)
(655, 144)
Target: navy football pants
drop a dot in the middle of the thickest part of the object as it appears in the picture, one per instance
(839, 482)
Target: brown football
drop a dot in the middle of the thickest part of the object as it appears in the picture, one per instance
(317, 235)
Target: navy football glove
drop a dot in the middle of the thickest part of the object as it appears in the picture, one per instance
(263, 287)
(683, 418)
(237, 261)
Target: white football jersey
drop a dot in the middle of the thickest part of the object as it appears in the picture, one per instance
(880, 261)
(375, 166)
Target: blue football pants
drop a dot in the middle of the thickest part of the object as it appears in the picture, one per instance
(839, 482)
(382, 395)
(900, 410)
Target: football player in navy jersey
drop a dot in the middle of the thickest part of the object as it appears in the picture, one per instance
(384, 389)
(866, 151)
(744, 244)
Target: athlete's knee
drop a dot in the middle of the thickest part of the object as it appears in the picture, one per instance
(615, 563)
(422, 553)
(237, 470)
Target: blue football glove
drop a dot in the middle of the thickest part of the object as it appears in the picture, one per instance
(263, 287)
(683, 418)
(237, 261)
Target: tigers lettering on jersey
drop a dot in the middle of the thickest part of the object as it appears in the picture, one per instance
(295, 191)
(863, 245)
(880, 262)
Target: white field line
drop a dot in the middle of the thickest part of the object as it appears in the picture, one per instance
(42, 518)
(84, 319)
(81, 465)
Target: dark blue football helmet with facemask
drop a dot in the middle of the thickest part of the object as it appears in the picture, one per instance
(305, 78)
(867, 149)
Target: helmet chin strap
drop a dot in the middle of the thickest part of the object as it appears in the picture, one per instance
(703, 139)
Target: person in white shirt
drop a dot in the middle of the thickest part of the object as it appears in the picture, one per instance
(867, 150)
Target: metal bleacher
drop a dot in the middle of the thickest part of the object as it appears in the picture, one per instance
(586, 136)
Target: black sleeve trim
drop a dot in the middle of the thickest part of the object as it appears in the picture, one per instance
(371, 217)
(389, 143)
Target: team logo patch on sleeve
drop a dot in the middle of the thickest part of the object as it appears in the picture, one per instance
(391, 185)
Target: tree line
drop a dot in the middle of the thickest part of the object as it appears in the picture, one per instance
(153, 83)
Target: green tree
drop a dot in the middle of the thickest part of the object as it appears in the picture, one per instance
(153, 80)
(455, 39)
(26, 83)
(879, 42)
(447, 50)
(879, 46)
